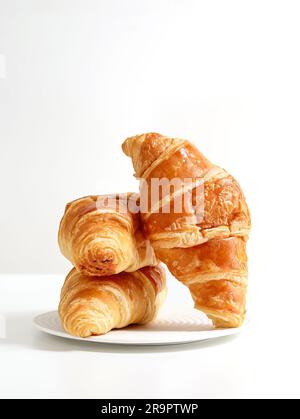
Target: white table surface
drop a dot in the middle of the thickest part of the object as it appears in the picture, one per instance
(262, 362)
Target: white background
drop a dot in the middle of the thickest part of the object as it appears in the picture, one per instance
(78, 77)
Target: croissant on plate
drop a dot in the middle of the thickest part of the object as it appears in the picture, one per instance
(102, 235)
(95, 305)
(198, 226)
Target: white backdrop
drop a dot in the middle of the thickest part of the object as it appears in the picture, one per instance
(77, 77)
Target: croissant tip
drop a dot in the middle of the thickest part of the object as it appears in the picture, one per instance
(128, 145)
(130, 142)
(124, 147)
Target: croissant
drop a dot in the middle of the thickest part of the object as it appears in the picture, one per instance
(94, 306)
(198, 226)
(101, 235)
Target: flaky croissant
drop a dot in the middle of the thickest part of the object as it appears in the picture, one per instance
(203, 241)
(100, 235)
(91, 306)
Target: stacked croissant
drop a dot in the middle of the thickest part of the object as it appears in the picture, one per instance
(116, 242)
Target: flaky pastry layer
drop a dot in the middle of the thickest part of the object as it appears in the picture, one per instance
(204, 243)
(91, 306)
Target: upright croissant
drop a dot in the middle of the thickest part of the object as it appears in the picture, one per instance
(92, 306)
(100, 235)
(203, 241)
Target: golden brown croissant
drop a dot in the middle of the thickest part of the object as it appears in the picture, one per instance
(100, 235)
(94, 306)
(202, 240)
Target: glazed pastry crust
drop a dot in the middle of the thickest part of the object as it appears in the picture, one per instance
(100, 236)
(216, 274)
(91, 306)
(224, 211)
(203, 244)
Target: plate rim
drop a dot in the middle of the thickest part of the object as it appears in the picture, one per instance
(209, 334)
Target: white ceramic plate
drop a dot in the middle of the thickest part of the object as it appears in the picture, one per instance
(169, 328)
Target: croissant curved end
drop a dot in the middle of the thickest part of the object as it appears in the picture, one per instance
(136, 141)
(81, 324)
(127, 146)
(130, 144)
(144, 150)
